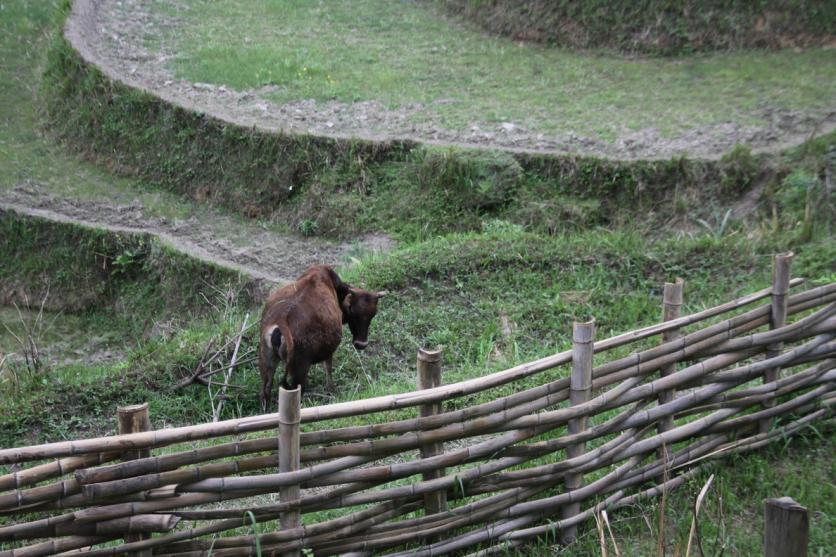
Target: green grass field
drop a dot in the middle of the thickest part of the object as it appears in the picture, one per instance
(406, 52)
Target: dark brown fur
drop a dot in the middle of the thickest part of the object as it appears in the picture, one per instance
(302, 325)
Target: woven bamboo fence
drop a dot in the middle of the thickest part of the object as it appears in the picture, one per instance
(479, 465)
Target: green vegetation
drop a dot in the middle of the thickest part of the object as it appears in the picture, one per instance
(317, 186)
(498, 255)
(666, 27)
(79, 268)
(400, 53)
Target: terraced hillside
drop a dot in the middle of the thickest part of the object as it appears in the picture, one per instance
(490, 254)
(401, 70)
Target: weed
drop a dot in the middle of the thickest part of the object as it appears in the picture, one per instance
(308, 227)
(718, 229)
(739, 170)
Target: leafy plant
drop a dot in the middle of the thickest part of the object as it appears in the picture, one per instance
(718, 228)
(308, 227)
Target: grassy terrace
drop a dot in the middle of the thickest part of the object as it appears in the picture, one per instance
(399, 53)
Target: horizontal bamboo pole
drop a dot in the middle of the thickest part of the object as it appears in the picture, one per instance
(55, 469)
(749, 396)
(21, 498)
(426, 529)
(60, 545)
(164, 463)
(305, 531)
(144, 523)
(686, 347)
(723, 330)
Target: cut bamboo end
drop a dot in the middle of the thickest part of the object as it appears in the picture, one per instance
(583, 332)
(290, 411)
(426, 355)
(672, 293)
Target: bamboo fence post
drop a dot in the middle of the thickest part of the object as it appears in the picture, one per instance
(429, 376)
(134, 419)
(289, 418)
(778, 318)
(786, 528)
(580, 391)
(671, 306)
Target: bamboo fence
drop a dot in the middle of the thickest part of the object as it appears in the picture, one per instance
(473, 469)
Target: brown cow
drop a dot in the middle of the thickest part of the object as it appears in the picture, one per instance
(302, 325)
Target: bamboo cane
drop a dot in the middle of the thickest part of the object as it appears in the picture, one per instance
(778, 318)
(289, 412)
(583, 335)
(57, 468)
(429, 376)
(671, 305)
(134, 419)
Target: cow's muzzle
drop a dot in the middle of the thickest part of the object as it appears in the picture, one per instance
(360, 344)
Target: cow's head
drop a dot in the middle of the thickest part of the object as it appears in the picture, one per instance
(359, 308)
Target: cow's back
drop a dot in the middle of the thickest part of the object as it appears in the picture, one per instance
(308, 311)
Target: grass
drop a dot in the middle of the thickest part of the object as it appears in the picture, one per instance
(399, 53)
(448, 287)
(26, 155)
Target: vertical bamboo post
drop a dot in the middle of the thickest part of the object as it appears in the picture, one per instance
(289, 417)
(778, 318)
(134, 419)
(429, 376)
(671, 306)
(580, 391)
(786, 528)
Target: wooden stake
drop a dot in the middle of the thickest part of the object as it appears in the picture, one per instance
(786, 528)
(289, 418)
(671, 306)
(580, 391)
(780, 288)
(134, 419)
(429, 376)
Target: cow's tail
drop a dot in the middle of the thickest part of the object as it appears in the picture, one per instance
(278, 342)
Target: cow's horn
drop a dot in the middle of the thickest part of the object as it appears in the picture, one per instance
(382, 293)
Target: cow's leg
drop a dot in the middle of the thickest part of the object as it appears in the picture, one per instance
(267, 363)
(329, 382)
(296, 375)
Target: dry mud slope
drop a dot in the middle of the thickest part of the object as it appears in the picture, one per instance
(112, 35)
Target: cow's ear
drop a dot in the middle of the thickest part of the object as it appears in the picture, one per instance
(348, 301)
(381, 294)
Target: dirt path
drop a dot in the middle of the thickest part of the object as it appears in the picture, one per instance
(112, 35)
(220, 239)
